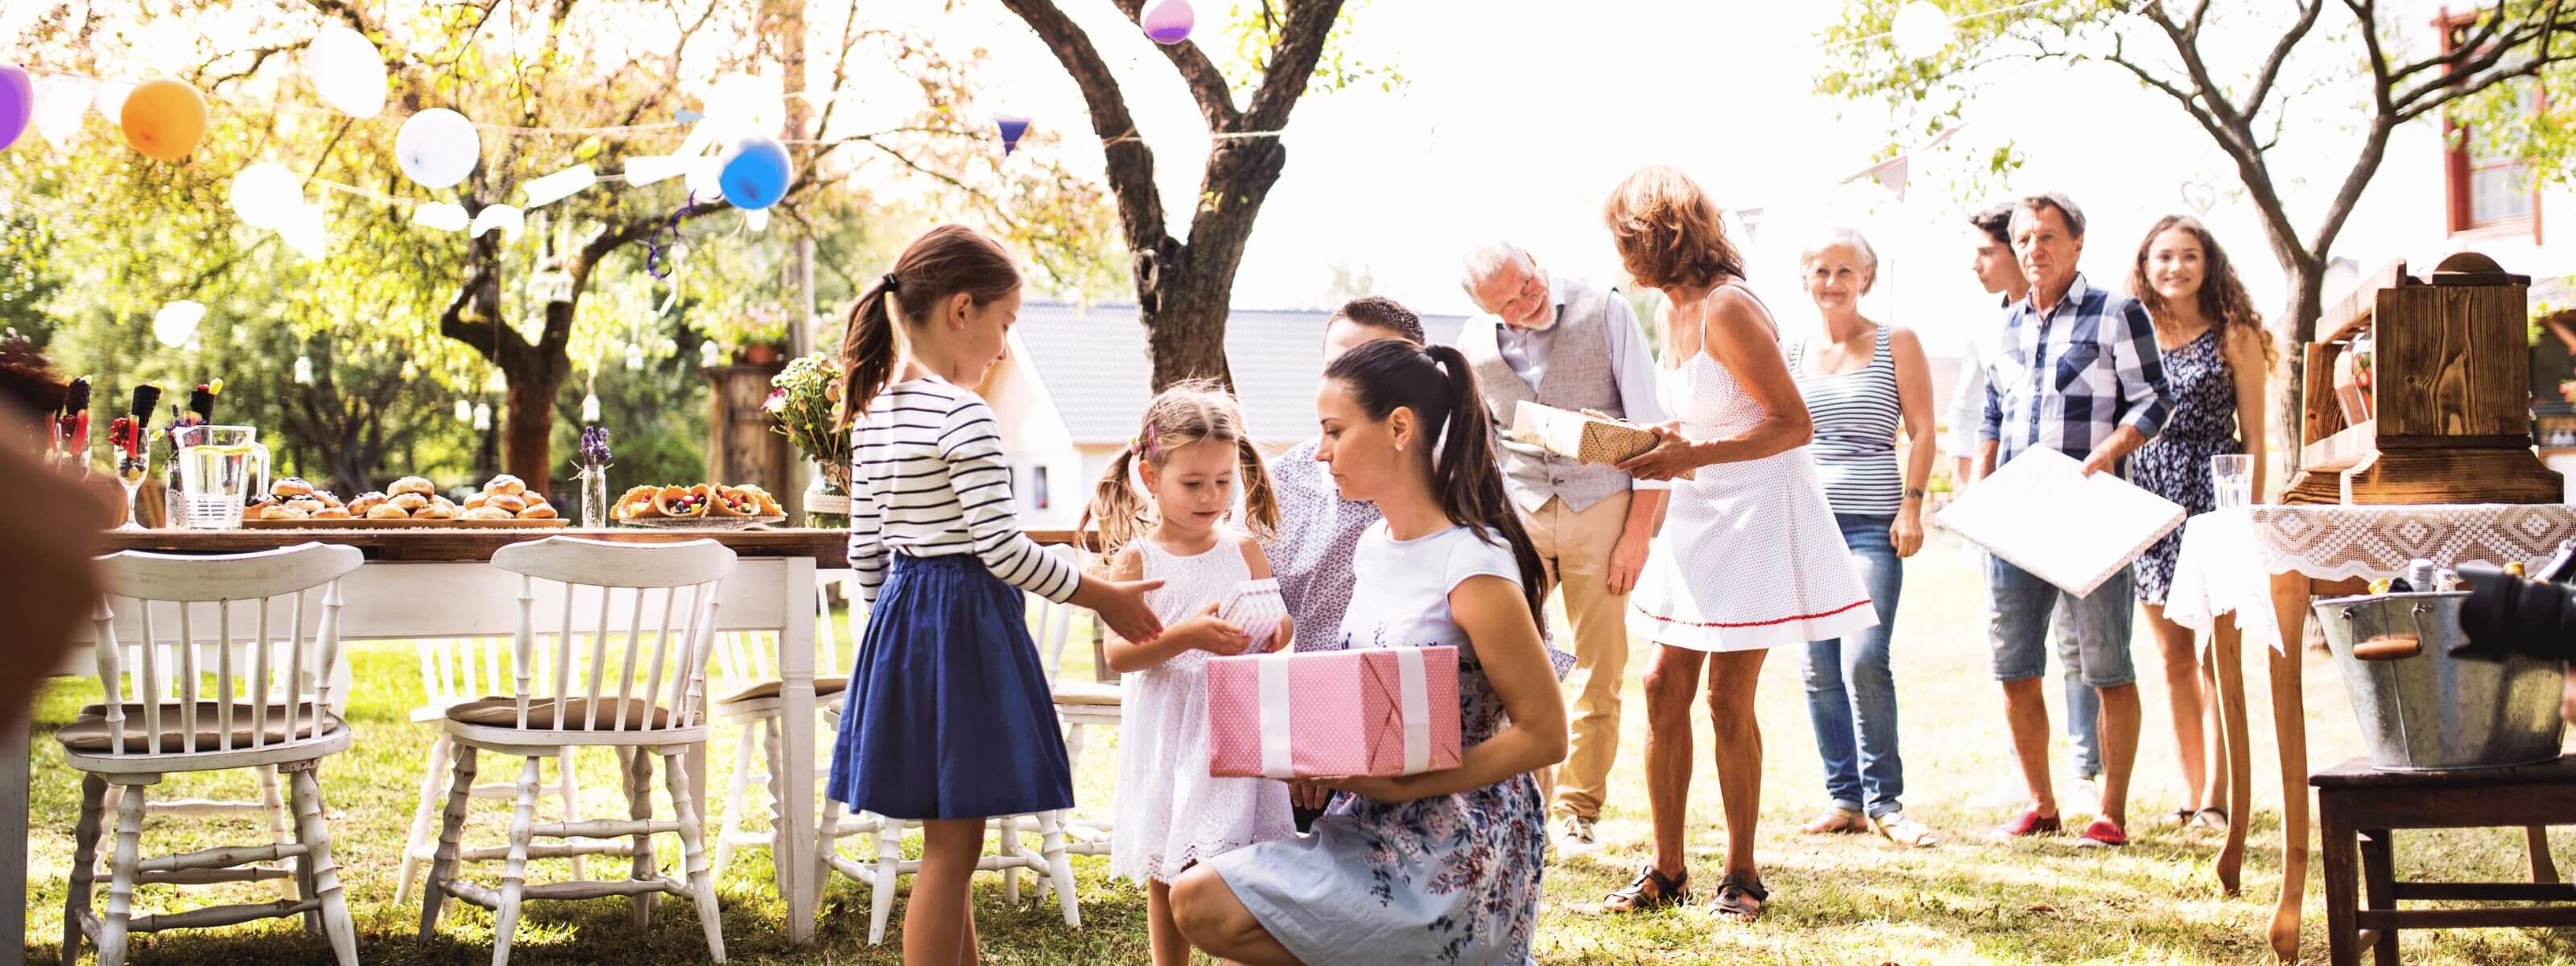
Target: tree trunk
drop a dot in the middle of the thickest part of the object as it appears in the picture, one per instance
(1185, 328)
(535, 373)
(2296, 328)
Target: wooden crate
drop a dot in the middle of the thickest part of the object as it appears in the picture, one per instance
(2450, 395)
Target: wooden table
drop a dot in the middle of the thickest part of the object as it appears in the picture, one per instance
(440, 584)
(2237, 563)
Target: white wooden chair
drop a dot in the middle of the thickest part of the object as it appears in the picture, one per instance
(744, 674)
(655, 708)
(452, 672)
(1080, 705)
(233, 708)
(1051, 860)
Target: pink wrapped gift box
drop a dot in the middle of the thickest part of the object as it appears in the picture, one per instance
(1376, 711)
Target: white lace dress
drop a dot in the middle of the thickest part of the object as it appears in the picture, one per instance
(1170, 812)
(1752, 557)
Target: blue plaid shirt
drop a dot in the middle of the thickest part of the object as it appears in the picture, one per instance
(2068, 378)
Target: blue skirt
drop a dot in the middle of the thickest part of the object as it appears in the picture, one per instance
(949, 712)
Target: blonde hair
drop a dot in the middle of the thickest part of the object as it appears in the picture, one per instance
(1668, 231)
(1196, 411)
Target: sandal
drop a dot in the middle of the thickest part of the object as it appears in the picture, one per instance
(1739, 898)
(2211, 818)
(1836, 821)
(1651, 890)
(2182, 817)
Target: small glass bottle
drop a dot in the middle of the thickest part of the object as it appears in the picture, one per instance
(594, 497)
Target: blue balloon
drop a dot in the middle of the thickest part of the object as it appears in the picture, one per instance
(755, 173)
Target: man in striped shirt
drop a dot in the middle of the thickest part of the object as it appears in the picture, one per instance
(2077, 370)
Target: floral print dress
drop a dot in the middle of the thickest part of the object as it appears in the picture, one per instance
(2175, 464)
(1447, 879)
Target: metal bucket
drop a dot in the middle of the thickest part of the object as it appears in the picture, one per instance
(2424, 710)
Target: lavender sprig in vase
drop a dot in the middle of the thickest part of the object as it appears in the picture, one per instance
(593, 461)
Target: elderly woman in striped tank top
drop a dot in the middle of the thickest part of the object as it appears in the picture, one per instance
(1861, 380)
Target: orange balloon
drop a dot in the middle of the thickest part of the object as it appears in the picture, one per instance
(164, 118)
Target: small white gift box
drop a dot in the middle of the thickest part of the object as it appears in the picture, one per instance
(1256, 607)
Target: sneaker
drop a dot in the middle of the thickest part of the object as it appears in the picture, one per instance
(2084, 797)
(2102, 835)
(2031, 823)
(1574, 836)
(1903, 830)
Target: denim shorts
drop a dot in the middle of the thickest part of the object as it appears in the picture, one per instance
(2018, 629)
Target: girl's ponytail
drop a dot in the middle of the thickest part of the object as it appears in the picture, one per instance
(1260, 495)
(1116, 504)
(867, 350)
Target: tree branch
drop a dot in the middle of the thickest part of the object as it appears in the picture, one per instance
(2470, 47)
(1130, 161)
(1206, 83)
(2271, 72)
(1292, 63)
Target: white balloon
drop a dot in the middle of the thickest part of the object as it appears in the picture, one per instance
(756, 219)
(264, 194)
(61, 104)
(1921, 30)
(346, 71)
(508, 219)
(441, 215)
(437, 147)
(559, 185)
(176, 323)
(111, 99)
(304, 231)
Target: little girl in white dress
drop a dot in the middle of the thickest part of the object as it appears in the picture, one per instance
(1171, 814)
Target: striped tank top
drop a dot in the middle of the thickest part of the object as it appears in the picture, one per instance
(1856, 415)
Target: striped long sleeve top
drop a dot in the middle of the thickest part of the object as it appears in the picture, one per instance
(930, 482)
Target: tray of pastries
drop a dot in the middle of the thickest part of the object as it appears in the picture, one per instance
(700, 507)
(411, 502)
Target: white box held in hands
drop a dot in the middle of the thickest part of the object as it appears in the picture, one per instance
(1256, 607)
(2041, 513)
(1590, 439)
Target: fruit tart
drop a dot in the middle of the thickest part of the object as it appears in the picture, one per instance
(680, 503)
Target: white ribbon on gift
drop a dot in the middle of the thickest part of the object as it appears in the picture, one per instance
(1413, 704)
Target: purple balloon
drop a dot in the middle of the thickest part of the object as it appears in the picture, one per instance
(1168, 21)
(17, 103)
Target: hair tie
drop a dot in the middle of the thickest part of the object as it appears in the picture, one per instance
(890, 283)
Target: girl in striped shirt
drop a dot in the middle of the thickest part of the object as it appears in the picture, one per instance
(946, 675)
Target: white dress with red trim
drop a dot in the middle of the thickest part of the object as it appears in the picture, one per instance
(1751, 556)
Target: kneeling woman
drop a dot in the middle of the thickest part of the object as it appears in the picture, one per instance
(1443, 866)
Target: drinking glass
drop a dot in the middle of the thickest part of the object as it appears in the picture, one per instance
(2233, 476)
(130, 470)
(220, 469)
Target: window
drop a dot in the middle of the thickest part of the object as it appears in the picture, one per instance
(2483, 190)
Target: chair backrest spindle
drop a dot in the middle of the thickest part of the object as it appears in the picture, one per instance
(610, 569)
(243, 682)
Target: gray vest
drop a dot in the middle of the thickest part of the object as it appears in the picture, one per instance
(1578, 376)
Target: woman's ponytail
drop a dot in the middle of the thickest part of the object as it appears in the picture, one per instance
(1469, 479)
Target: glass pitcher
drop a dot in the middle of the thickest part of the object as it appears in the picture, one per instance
(220, 469)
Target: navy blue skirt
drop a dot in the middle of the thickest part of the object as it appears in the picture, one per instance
(949, 712)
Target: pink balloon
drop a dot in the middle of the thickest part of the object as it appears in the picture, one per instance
(1168, 21)
(17, 102)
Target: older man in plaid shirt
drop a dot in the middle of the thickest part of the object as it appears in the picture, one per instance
(2078, 371)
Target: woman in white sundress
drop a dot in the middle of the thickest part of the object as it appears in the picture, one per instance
(1752, 557)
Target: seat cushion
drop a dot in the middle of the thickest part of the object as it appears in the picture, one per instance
(92, 734)
(1086, 692)
(602, 714)
(770, 689)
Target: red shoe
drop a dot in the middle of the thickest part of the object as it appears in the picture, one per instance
(2102, 835)
(2030, 823)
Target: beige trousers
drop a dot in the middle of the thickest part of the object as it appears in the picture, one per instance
(1576, 548)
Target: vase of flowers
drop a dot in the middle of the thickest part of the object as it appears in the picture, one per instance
(802, 401)
(592, 462)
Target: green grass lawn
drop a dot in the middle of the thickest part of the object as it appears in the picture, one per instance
(1844, 901)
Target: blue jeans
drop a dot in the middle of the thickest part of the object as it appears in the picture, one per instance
(1851, 690)
(2023, 606)
(2083, 704)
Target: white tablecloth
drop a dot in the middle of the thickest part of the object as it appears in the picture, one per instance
(2229, 557)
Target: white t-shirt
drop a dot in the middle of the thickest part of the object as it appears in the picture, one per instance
(1401, 596)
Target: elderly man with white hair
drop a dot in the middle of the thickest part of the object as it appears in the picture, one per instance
(1563, 343)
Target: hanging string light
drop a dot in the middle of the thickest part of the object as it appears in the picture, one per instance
(482, 416)
(464, 411)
